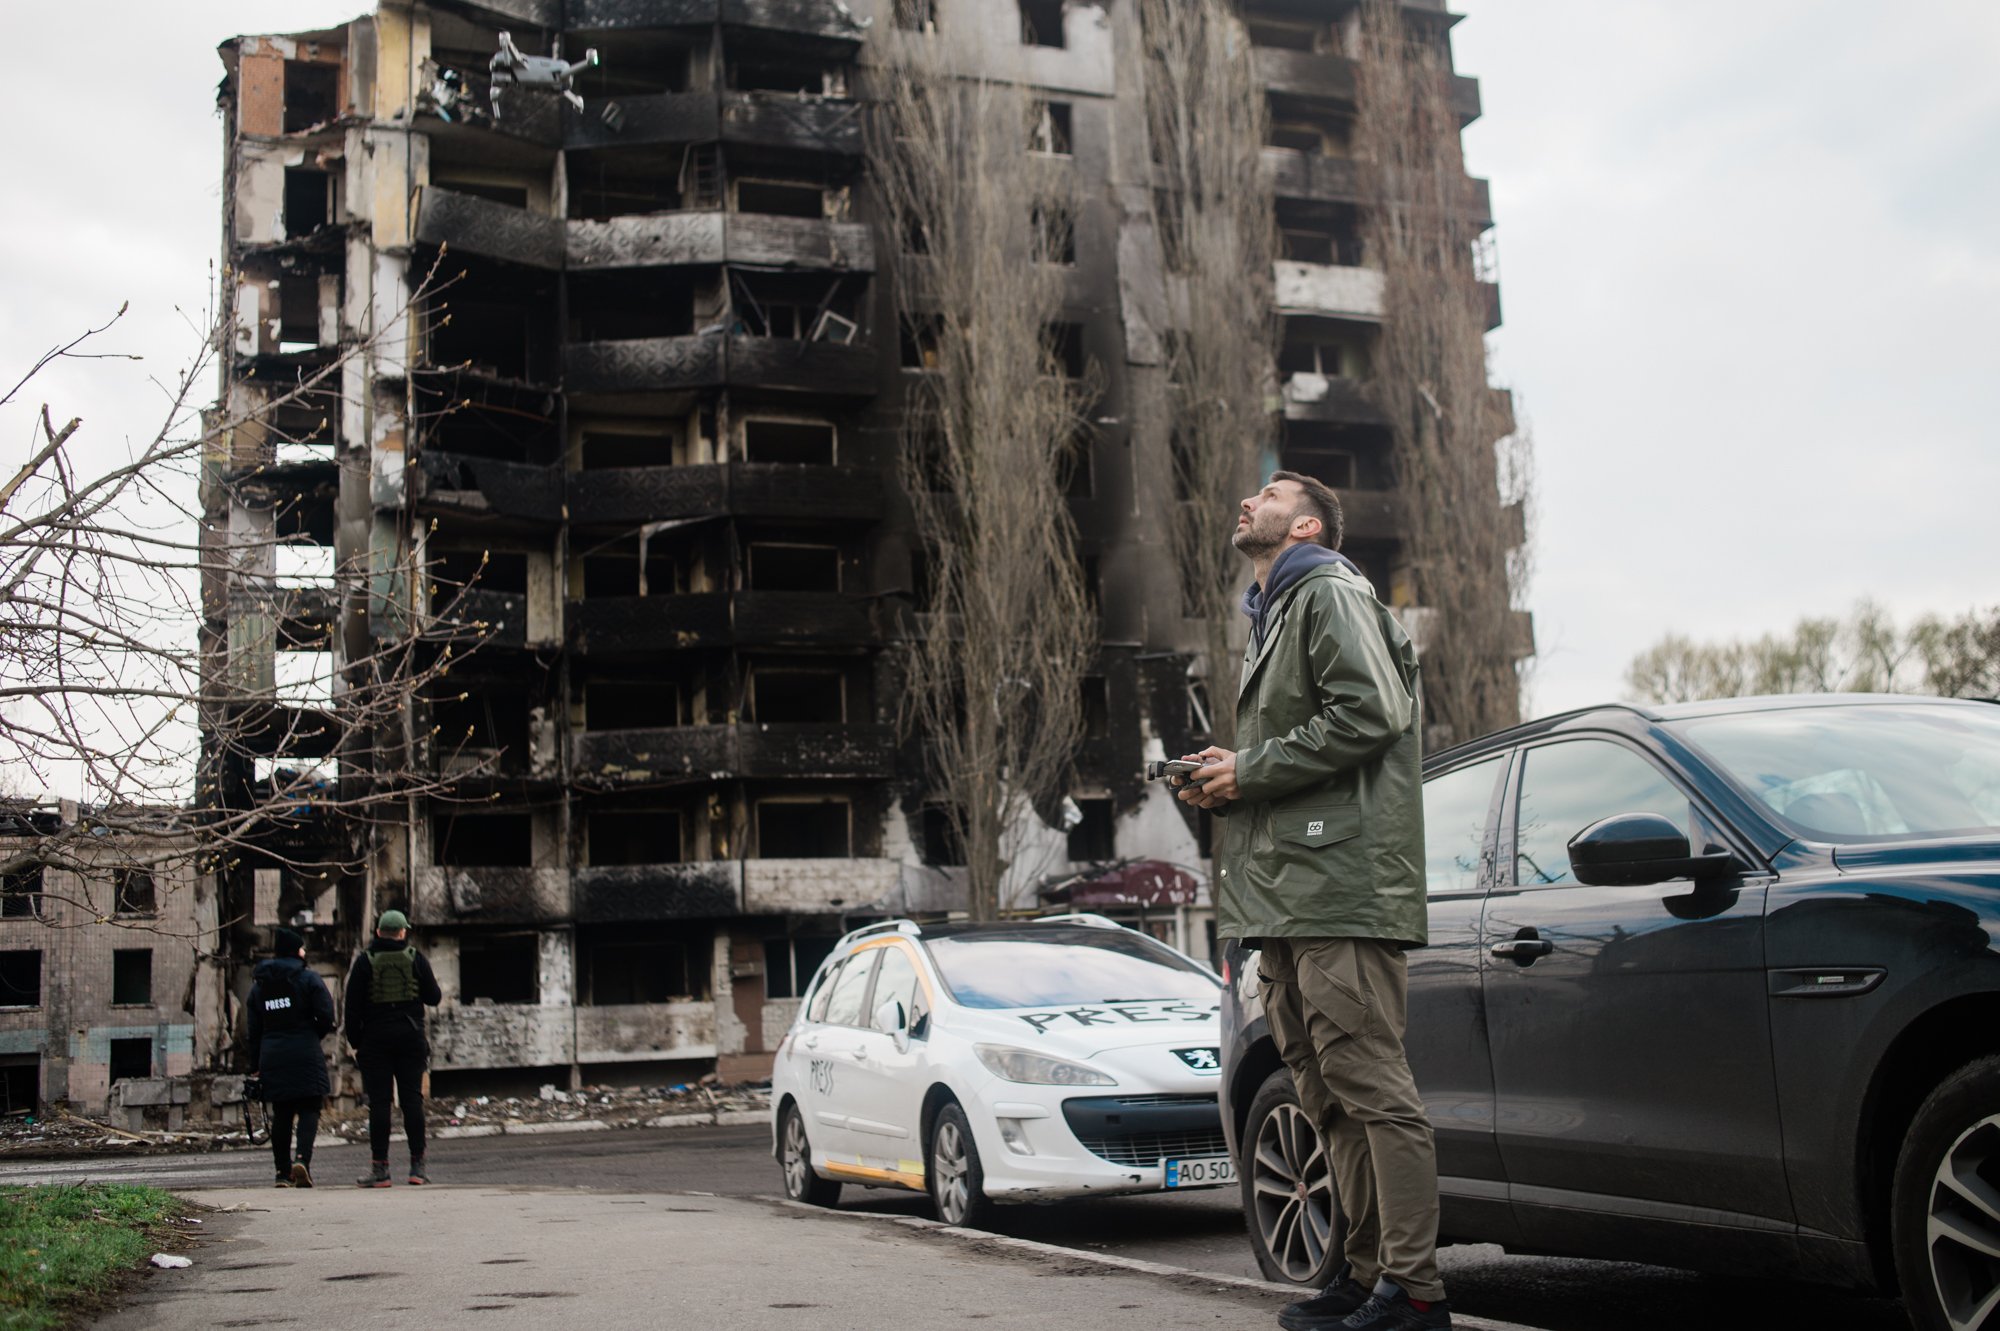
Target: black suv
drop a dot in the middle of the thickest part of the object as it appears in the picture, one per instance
(1712, 985)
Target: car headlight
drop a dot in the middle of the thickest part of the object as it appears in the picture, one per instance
(1025, 1065)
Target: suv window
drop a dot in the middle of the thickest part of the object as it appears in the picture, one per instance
(897, 979)
(1568, 786)
(1457, 806)
(816, 1008)
(850, 991)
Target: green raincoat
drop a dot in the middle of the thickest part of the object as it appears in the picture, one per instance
(1327, 840)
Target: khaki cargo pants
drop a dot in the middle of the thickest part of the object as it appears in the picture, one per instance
(1338, 1008)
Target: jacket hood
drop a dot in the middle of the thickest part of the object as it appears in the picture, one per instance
(1292, 565)
(271, 967)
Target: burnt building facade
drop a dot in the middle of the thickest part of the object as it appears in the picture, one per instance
(612, 413)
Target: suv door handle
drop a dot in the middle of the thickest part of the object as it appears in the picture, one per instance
(1523, 948)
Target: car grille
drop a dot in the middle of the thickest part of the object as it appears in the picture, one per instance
(1138, 1131)
(1140, 1149)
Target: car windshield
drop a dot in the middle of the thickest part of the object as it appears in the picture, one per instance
(1054, 965)
(1864, 773)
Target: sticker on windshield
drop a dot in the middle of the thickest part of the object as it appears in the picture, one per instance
(1122, 1014)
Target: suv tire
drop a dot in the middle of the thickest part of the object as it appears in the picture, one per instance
(1289, 1199)
(802, 1183)
(1944, 1210)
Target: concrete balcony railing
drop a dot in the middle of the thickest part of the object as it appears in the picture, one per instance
(781, 887)
(646, 624)
(1332, 78)
(744, 489)
(513, 1035)
(1328, 290)
(710, 237)
(749, 751)
(497, 895)
(1338, 180)
(635, 1032)
(642, 893)
(1329, 398)
(797, 18)
(711, 360)
(487, 488)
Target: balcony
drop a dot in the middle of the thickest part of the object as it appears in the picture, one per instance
(485, 488)
(648, 118)
(706, 238)
(782, 120)
(711, 360)
(637, 1032)
(739, 752)
(1371, 515)
(646, 893)
(498, 895)
(745, 489)
(611, 625)
(478, 615)
(1331, 78)
(785, 887)
(1338, 180)
(799, 18)
(1328, 290)
(1329, 398)
(494, 230)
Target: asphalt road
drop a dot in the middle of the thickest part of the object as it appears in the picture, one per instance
(1198, 1230)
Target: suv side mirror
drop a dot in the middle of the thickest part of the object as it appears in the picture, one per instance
(1639, 849)
(891, 1019)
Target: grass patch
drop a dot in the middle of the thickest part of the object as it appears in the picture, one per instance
(60, 1246)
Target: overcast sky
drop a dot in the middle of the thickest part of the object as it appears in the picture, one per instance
(1748, 255)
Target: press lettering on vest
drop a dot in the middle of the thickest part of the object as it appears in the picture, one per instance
(273, 1004)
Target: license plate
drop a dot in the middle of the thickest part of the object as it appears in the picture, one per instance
(1207, 1171)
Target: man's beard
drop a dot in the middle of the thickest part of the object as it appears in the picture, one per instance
(1255, 544)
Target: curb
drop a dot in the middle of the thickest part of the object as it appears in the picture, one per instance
(714, 1118)
(1132, 1264)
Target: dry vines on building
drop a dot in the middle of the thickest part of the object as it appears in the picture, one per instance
(1464, 543)
(995, 680)
(1212, 210)
(164, 734)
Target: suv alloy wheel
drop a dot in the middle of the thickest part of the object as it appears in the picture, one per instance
(1289, 1198)
(1945, 1209)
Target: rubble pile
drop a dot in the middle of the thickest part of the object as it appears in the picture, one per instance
(551, 1110)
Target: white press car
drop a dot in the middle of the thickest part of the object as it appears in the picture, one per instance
(1028, 1061)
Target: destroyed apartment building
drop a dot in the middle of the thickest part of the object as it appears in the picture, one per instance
(634, 457)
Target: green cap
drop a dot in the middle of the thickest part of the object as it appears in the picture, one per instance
(391, 922)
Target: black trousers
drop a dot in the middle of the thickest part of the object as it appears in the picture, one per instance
(284, 1113)
(394, 1060)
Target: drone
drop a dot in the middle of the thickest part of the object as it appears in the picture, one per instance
(536, 73)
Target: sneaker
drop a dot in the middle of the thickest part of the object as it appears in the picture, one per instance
(1393, 1312)
(302, 1175)
(1326, 1309)
(284, 1181)
(419, 1174)
(376, 1177)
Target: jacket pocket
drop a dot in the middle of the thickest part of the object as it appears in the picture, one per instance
(1323, 826)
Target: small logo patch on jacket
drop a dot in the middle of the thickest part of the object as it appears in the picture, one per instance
(1315, 828)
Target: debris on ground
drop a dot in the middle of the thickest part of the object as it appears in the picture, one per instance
(613, 1106)
(168, 1261)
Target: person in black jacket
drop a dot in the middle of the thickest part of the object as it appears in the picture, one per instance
(387, 991)
(290, 1013)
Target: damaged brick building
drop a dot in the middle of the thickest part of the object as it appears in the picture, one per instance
(643, 442)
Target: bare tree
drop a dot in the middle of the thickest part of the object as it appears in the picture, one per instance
(1464, 497)
(995, 680)
(262, 741)
(1864, 653)
(1212, 211)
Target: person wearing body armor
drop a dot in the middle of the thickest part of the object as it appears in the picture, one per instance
(290, 1012)
(387, 991)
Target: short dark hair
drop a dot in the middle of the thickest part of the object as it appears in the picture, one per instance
(1321, 502)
